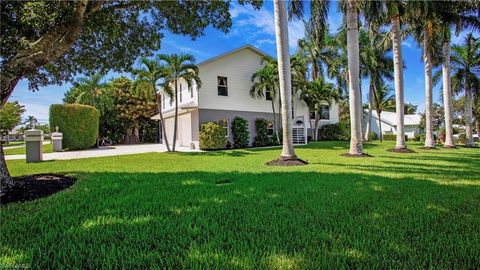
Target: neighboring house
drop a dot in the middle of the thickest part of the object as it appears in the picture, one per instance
(13, 135)
(389, 126)
(226, 83)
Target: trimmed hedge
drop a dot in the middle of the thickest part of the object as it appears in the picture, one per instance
(212, 136)
(240, 132)
(392, 137)
(78, 123)
(262, 138)
(334, 132)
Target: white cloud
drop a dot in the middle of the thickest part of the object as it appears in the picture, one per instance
(407, 44)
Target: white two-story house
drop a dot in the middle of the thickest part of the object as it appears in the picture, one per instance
(224, 95)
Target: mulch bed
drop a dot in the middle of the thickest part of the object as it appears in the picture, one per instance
(363, 155)
(287, 162)
(428, 148)
(31, 187)
(401, 150)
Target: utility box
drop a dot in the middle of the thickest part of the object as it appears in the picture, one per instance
(34, 145)
(57, 138)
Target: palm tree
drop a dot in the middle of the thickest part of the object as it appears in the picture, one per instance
(265, 85)
(356, 147)
(178, 67)
(382, 101)
(94, 92)
(281, 31)
(318, 93)
(465, 60)
(150, 75)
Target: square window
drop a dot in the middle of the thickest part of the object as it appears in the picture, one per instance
(325, 112)
(270, 128)
(222, 86)
(268, 94)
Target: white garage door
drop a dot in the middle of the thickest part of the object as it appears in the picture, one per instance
(184, 130)
(169, 129)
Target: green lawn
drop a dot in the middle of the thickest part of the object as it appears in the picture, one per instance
(47, 148)
(228, 210)
(15, 143)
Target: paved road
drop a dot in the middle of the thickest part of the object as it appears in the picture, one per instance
(105, 152)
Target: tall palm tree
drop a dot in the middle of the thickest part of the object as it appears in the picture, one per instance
(149, 75)
(176, 67)
(465, 60)
(265, 81)
(356, 147)
(318, 93)
(382, 101)
(93, 91)
(281, 31)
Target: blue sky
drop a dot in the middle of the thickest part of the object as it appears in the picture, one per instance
(249, 27)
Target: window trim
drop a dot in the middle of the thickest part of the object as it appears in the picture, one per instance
(224, 127)
(224, 86)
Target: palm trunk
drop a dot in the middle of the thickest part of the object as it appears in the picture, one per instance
(317, 119)
(162, 122)
(429, 140)
(356, 147)
(380, 136)
(369, 115)
(398, 71)
(468, 115)
(275, 131)
(281, 31)
(5, 178)
(447, 95)
(176, 117)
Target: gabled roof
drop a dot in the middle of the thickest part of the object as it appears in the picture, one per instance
(390, 118)
(245, 47)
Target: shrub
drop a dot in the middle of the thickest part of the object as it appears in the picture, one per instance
(240, 132)
(78, 123)
(392, 137)
(212, 136)
(372, 136)
(334, 132)
(417, 137)
(262, 138)
(462, 138)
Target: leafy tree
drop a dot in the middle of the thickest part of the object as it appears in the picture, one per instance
(381, 100)
(10, 117)
(437, 119)
(175, 68)
(94, 92)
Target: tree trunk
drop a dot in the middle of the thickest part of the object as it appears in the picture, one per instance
(5, 178)
(162, 122)
(281, 31)
(468, 115)
(176, 116)
(369, 115)
(398, 79)
(429, 140)
(275, 131)
(380, 136)
(356, 147)
(447, 95)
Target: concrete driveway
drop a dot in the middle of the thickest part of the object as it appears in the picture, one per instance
(106, 151)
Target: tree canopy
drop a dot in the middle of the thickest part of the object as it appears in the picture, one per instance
(10, 116)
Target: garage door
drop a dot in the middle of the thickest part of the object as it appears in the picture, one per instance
(184, 130)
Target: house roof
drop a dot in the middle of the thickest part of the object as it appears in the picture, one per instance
(244, 47)
(389, 118)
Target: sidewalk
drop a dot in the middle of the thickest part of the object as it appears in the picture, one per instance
(106, 152)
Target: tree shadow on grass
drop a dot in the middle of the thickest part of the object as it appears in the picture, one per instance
(307, 220)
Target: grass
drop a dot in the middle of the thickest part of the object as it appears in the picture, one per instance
(47, 148)
(14, 143)
(227, 210)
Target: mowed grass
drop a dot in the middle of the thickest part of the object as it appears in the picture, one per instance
(47, 148)
(227, 210)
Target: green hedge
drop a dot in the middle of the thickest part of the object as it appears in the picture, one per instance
(262, 138)
(78, 123)
(392, 137)
(334, 132)
(212, 136)
(240, 132)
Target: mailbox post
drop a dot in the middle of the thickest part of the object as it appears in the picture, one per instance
(34, 145)
(57, 138)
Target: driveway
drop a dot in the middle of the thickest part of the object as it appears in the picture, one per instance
(106, 151)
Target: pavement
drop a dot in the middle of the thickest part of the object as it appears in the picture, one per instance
(106, 151)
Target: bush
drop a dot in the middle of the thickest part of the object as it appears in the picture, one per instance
(462, 138)
(392, 137)
(262, 138)
(212, 136)
(372, 136)
(417, 137)
(78, 123)
(240, 132)
(334, 132)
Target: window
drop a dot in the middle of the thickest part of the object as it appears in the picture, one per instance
(325, 112)
(222, 86)
(163, 101)
(224, 124)
(293, 110)
(181, 90)
(268, 94)
(312, 115)
(270, 128)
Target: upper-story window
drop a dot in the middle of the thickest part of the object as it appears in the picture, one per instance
(268, 94)
(163, 101)
(222, 86)
(312, 115)
(181, 92)
(325, 112)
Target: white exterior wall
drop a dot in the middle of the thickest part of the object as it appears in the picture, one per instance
(186, 96)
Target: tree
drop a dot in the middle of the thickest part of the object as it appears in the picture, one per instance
(10, 117)
(94, 92)
(150, 75)
(382, 101)
(465, 60)
(51, 41)
(175, 68)
(318, 93)
(437, 117)
(85, 36)
(265, 85)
